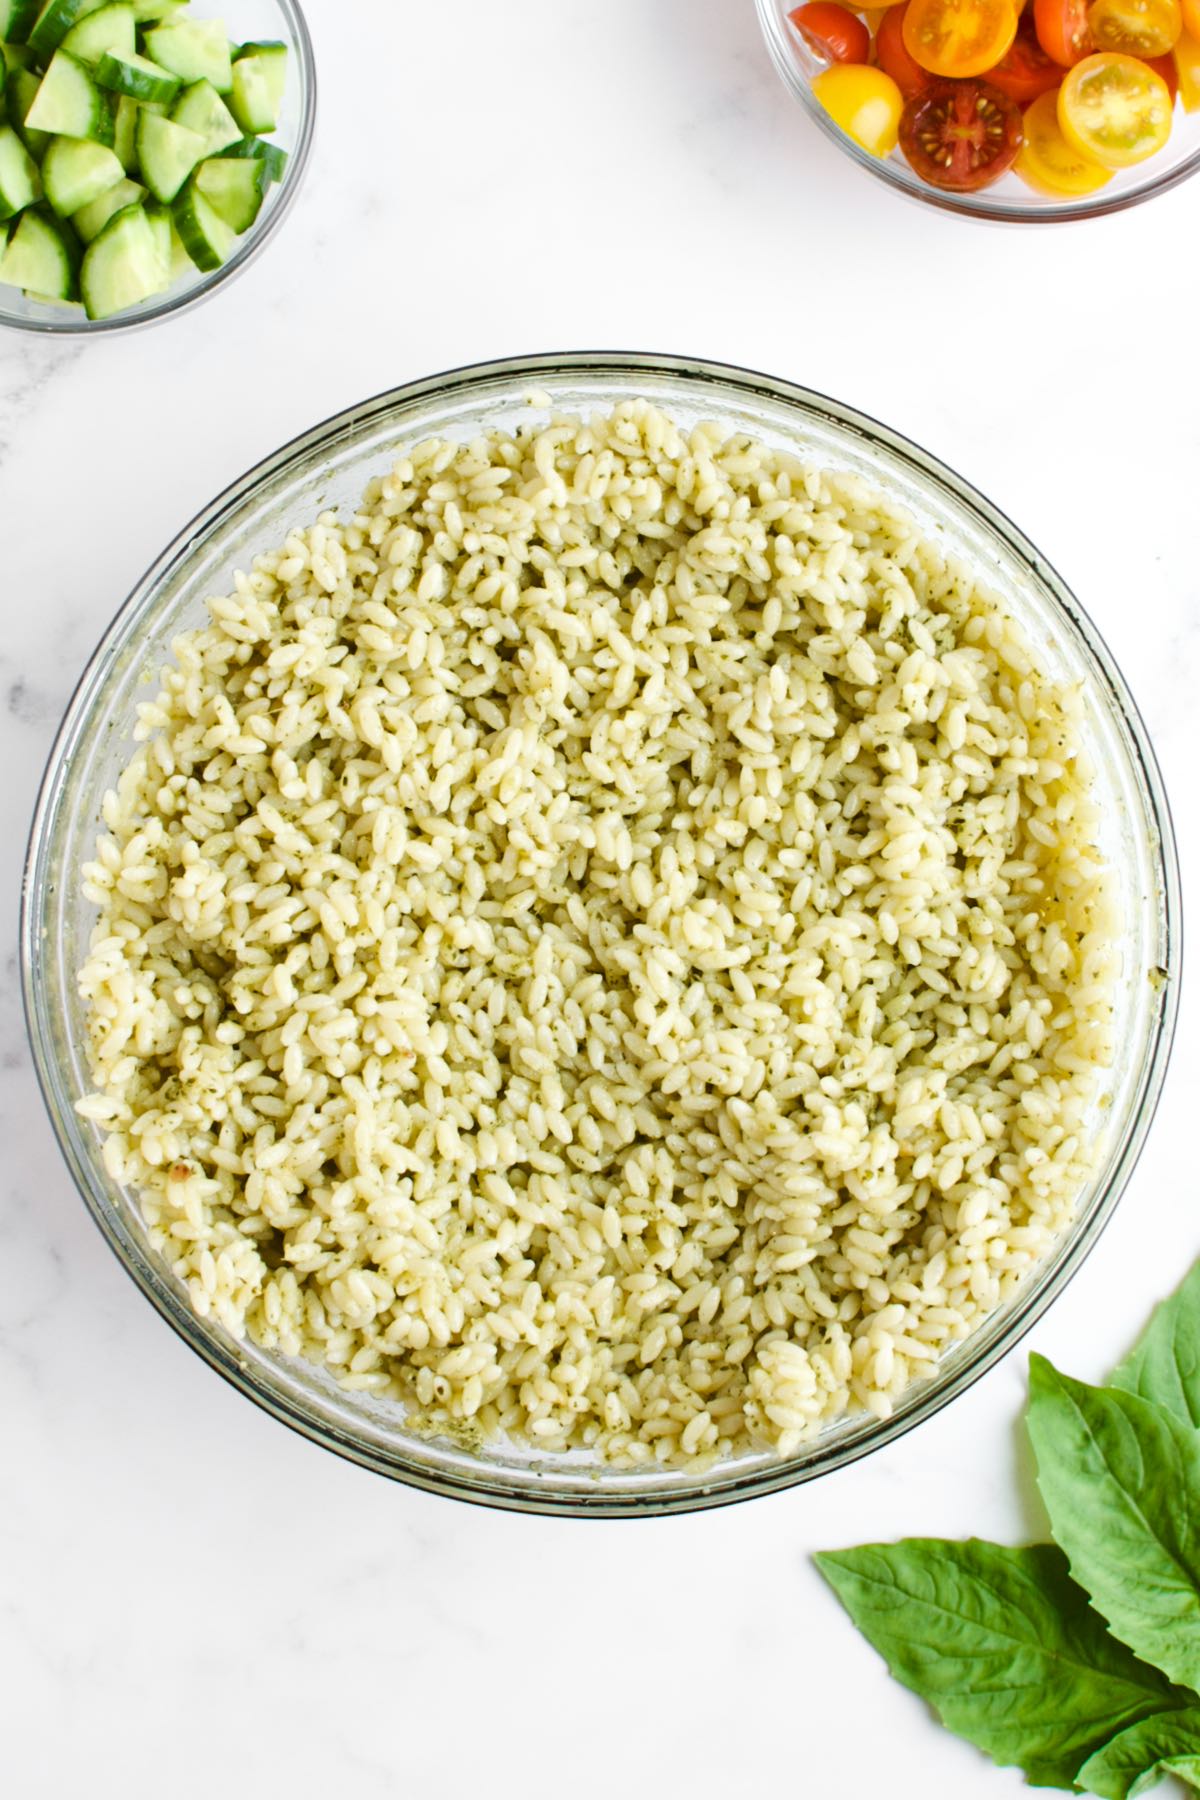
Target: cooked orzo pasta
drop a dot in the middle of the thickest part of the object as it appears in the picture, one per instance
(604, 946)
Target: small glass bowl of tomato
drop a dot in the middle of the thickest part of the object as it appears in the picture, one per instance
(1002, 109)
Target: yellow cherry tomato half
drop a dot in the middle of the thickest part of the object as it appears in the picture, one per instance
(864, 102)
(957, 38)
(1047, 162)
(1135, 27)
(1187, 68)
(1191, 16)
(1114, 109)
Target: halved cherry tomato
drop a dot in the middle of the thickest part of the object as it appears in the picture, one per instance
(1165, 66)
(1191, 16)
(1026, 71)
(1135, 27)
(1062, 30)
(1186, 57)
(891, 53)
(831, 32)
(957, 38)
(961, 135)
(864, 102)
(1047, 162)
(1114, 109)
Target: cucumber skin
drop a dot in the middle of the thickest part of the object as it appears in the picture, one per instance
(55, 20)
(188, 210)
(271, 156)
(119, 76)
(20, 17)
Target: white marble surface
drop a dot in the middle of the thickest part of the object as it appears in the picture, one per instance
(193, 1599)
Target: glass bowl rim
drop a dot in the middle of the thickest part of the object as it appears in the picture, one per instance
(73, 324)
(981, 208)
(485, 1484)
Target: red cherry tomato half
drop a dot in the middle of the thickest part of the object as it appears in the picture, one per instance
(1062, 30)
(831, 32)
(961, 135)
(1026, 71)
(894, 57)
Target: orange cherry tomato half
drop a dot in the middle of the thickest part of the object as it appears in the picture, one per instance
(1191, 16)
(1186, 57)
(961, 135)
(959, 38)
(864, 102)
(1165, 66)
(831, 32)
(1135, 27)
(1026, 71)
(1114, 109)
(891, 53)
(1062, 30)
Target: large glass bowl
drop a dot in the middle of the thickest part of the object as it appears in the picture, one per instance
(328, 467)
(249, 21)
(1009, 198)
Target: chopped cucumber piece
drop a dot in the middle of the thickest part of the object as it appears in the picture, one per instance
(42, 257)
(159, 219)
(125, 132)
(137, 77)
(16, 56)
(69, 102)
(90, 220)
(202, 109)
(20, 184)
(122, 265)
(112, 28)
(76, 172)
(193, 49)
(17, 19)
(273, 159)
(259, 75)
(234, 187)
(167, 153)
(206, 237)
(181, 262)
(20, 92)
(55, 20)
(148, 12)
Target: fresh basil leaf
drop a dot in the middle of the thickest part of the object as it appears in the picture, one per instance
(1139, 1757)
(1002, 1643)
(1121, 1482)
(1164, 1364)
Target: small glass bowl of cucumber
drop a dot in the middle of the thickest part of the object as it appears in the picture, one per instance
(148, 150)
